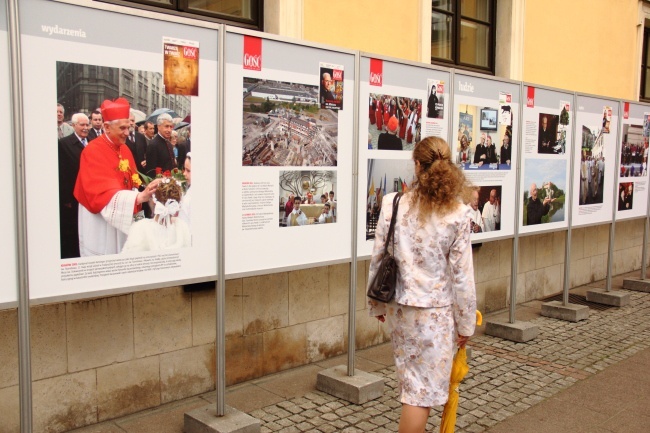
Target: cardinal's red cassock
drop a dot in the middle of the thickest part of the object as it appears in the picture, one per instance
(107, 196)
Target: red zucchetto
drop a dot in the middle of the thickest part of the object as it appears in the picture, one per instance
(114, 110)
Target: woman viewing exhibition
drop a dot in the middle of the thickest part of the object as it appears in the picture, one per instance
(435, 299)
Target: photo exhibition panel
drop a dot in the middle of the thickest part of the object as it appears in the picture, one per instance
(594, 158)
(406, 103)
(135, 138)
(632, 173)
(9, 289)
(545, 164)
(288, 157)
(484, 143)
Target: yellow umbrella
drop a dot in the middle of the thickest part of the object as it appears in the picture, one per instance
(458, 371)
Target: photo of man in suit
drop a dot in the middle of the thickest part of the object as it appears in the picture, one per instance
(70, 149)
(160, 153)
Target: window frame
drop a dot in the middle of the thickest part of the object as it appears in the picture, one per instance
(457, 20)
(644, 65)
(181, 8)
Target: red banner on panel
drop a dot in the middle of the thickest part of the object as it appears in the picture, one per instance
(626, 110)
(252, 53)
(376, 72)
(530, 101)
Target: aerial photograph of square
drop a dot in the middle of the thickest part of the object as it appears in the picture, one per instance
(283, 125)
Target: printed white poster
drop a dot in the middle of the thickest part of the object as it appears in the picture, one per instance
(9, 288)
(288, 155)
(594, 160)
(544, 186)
(484, 144)
(406, 104)
(632, 173)
(99, 238)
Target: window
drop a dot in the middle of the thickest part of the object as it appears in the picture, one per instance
(644, 93)
(463, 33)
(242, 13)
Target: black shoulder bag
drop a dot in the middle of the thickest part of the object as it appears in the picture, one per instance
(382, 286)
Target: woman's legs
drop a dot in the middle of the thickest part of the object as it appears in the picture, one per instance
(413, 419)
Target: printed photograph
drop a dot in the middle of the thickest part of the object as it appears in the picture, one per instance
(283, 125)
(488, 119)
(505, 109)
(331, 87)
(625, 195)
(307, 198)
(607, 118)
(385, 176)
(545, 194)
(634, 152)
(550, 140)
(482, 143)
(592, 165)
(181, 67)
(486, 209)
(436, 101)
(394, 122)
(96, 162)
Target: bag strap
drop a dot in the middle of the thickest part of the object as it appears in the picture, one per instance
(393, 219)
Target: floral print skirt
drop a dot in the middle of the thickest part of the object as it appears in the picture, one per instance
(423, 346)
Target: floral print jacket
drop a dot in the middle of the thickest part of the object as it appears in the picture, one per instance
(434, 261)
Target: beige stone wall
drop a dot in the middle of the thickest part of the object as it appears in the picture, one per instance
(98, 359)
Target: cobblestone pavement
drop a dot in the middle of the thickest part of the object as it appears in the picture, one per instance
(505, 378)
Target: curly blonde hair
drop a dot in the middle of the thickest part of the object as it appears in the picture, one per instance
(440, 185)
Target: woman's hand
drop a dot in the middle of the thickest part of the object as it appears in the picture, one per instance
(462, 340)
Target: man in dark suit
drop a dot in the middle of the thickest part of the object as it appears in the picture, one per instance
(480, 153)
(149, 131)
(137, 144)
(160, 153)
(70, 149)
(545, 141)
(188, 141)
(97, 125)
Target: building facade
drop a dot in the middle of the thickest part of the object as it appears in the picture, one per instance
(97, 359)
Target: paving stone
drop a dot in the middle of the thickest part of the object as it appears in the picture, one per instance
(505, 378)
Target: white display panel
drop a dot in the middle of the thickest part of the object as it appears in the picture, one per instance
(594, 160)
(289, 121)
(544, 189)
(418, 99)
(632, 173)
(9, 288)
(486, 111)
(68, 51)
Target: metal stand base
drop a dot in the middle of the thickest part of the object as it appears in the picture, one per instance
(569, 312)
(357, 389)
(613, 298)
(519, 332)
(205, 420)
(636, 284)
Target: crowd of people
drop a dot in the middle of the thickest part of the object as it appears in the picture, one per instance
(592, 169)
(398, 119)
(294, 216)
(485, 151)
(634, 160)
(110, 175)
